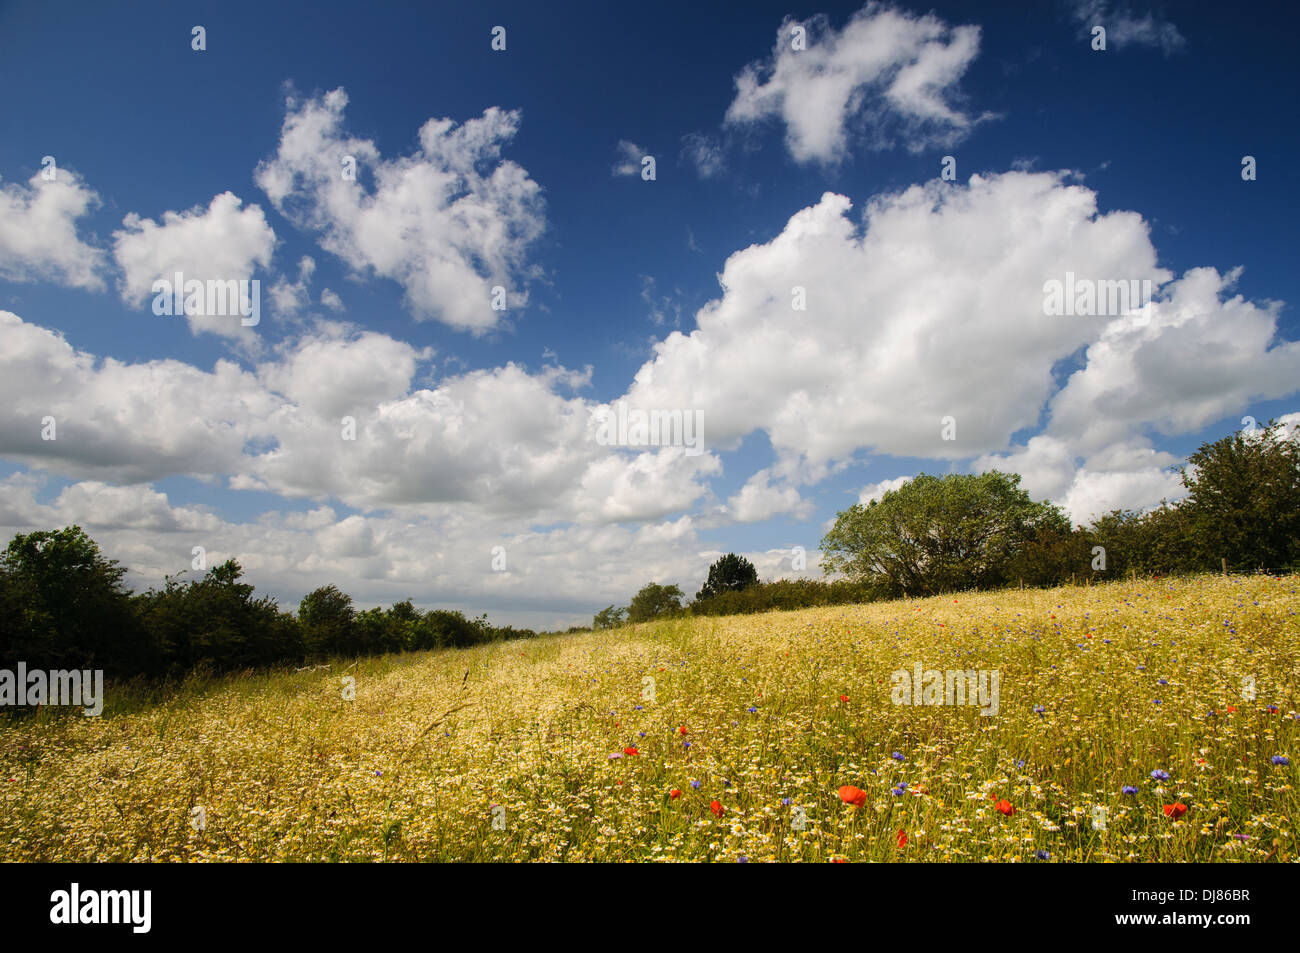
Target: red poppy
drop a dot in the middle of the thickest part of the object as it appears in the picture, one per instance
(630, 751)
(1231, 709)
(1175, 810)
(716, 808)
(844, 698)
(839, 860)
(902, 838)
(1004, 807)
(855, 796)
(682, 730)
(675, 793)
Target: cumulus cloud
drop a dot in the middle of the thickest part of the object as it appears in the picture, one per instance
(38, 232)
(934, 309)
(448, 222)
(877, 491)
(759, 500)
(1124, 28)
(887, 76)
(291, 297)
(223, 242)
(343, 415)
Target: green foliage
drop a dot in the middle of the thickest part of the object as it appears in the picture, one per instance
(608, 618)
(653, 601)
(63, 605)
(1244, 500)
(940, 534)
(329, 623)
(217, 622)
(786, 594)
(731, 573)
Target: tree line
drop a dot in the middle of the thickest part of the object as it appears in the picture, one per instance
(962, 532)
(64, 605)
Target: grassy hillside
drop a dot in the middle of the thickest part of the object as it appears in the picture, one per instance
(769, 716)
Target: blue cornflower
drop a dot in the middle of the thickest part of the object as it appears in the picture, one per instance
(1160, 775)
(695, 785)
(1280, 759)
(897, 756)
(1129, 789)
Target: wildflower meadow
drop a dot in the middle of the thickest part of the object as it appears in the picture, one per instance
(1142, 720)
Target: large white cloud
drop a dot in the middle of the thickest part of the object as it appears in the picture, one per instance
(223, 242)
(38, 232)
(341, 415)
(886, 76)
(933, 309)
(448, 223)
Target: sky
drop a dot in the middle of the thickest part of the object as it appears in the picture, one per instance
(826, 235)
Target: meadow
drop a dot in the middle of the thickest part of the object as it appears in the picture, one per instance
(1148, 720)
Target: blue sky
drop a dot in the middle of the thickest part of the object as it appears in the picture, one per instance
(1121, 163)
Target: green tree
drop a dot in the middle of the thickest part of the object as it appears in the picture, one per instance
(654, 600)
(939, 534)
(217, 621)
(65, 606)
(608, 618)
(1244, 499)
(731, 573)
(328, 621)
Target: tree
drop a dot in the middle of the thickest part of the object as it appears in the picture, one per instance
(652, 601)
(217, 621)
(731, 573)
(65, 606)
(1244, 499)
(328, 622)
(939, 534)
(608, 618)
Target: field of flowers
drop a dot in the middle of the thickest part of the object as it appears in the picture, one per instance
(1137, 721)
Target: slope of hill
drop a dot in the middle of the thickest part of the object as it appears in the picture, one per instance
(1153, 720)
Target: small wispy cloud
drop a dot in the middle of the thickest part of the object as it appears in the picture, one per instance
(629, 158)
(704, 153)
(1123, 28)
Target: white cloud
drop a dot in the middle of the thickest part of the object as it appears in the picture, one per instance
(447, 223)
(877, 491)
(500, 443)
(759, 500)
(934, 309)
(38, 232)
(887, 75)
(704, 153)
(1123, 28)
(292, 297)
(223, 242)
(628, 159)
